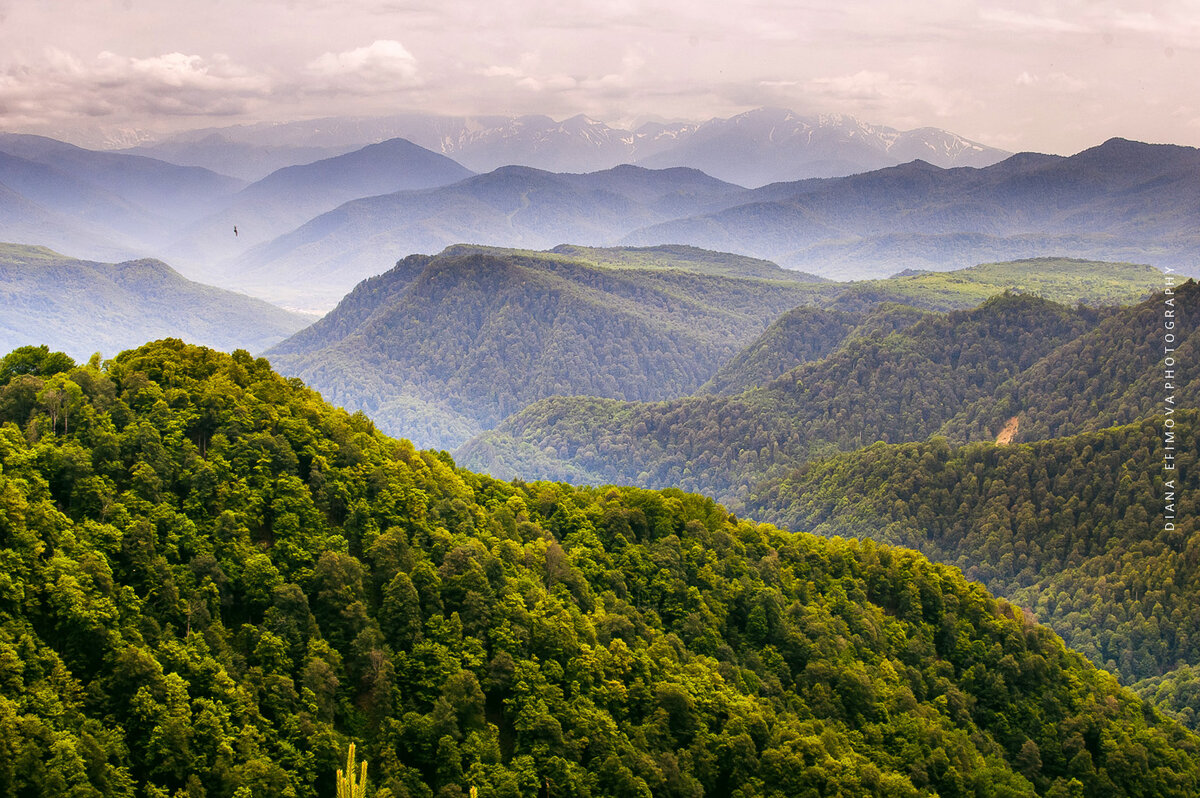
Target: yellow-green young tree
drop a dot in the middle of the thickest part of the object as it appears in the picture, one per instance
(348, 786)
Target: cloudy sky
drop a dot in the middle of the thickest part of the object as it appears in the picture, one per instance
(1047, 75)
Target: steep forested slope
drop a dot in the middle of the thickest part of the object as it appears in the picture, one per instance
(440, 348)
(803, 335)
(1113, 375)
(214, 581)
(1073, 528)
(80, 306)
(893, 386)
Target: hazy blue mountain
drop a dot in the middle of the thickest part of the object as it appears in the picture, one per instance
(481, 143)
(97, 204)
(22, 219)
(1120, 201)
(578, 144)
(289, 197)
(769, 145)
(240, 159)
(161, 188)
(82, 203)
(757, 147)
(78, 306)
(514, 207)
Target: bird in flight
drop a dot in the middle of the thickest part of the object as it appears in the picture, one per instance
(235, 231)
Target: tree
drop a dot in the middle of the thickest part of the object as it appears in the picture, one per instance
(348, 786)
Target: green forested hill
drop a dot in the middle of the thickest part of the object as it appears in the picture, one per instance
(441, 348)
(1113, 375)
(803, 335)
(893, 386)
(213, 582)
(680, 256)
(1073, 528)
(70, 304)
(1067, 281)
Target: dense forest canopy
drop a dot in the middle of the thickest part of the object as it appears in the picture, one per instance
(1073, 528)
(213, 582)
(890, 385)
(440, 348)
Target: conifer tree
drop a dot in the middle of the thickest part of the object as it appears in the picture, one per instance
(347, 785)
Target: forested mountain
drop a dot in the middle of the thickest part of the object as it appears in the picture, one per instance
(1113, 375)
(806, 334)
(289, 197)
(803, 335)
(897, 386)
(1067, 281)
(80, 306)
(214, 582)
(440, 348)
(1122, 200)
(681, 256)
(1072, 528)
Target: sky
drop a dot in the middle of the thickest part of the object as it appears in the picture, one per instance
(1052, 76)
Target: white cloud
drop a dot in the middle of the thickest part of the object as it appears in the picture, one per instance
(382, 60)
(530, 76)
(61, 85)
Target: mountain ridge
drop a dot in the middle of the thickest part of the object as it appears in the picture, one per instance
(474, 334)
(582, 144)
(48, 298)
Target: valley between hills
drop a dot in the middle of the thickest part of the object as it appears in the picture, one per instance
(525, 483)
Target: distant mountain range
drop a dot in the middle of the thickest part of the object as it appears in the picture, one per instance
(98, 204)
(289, 197)
(1121, 201)
(751, 149)
(79, 307)
(307, 234)
(511, 207)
